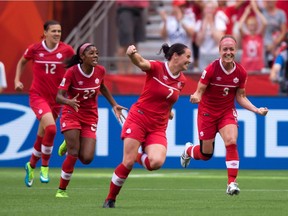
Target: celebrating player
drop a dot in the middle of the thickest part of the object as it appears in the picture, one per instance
(81, 84)
(221, 83)
(148, 118)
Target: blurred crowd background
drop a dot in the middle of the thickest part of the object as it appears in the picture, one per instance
(259, 26)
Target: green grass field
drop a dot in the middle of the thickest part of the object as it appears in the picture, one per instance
(164, 192)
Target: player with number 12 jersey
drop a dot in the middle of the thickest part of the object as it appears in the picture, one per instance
(48, 69)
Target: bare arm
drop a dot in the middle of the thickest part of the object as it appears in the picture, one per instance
(62, 99)
(18, 85)
(275, 70)
(245, 103)
(163, 30)
(196, 97)
(243, 19)
(116, 108)
(260, 16)
(137, 59)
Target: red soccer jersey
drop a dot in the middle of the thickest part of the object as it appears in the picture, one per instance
(75, 81)
(221, 87)
(160, 92)
(48, 68)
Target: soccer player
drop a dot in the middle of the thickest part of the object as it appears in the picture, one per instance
(147, 120)
(48, 58)
(221, 83)
(78, 92)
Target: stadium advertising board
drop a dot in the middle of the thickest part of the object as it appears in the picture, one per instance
(262, 142)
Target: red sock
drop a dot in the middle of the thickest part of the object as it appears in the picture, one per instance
(232, 162)
(67, 170)
(47, 144)
(119, 176)
(138, 158)
(196, 153)
(36, 154)
(145, 161)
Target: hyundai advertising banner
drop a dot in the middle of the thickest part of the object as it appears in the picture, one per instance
(262, 142)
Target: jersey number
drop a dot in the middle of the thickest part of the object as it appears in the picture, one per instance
(170, 94)
(88, 94)
(226, 91)
(50, 68)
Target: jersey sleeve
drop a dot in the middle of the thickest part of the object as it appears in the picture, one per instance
(66, 80)
(28, 54)
(207, 74)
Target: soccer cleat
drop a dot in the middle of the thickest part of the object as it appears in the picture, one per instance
(62, 149)
(61, 194)
(233, 189)
(109, 203)
(29, 178)
(44, 177)
(185, 158)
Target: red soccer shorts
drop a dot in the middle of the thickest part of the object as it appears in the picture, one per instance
(70, 121)
(137, 126)
(40, 106)
(209, 125)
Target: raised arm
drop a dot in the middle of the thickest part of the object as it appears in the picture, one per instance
(137, 59)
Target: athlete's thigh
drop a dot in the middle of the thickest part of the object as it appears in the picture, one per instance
(87, 147)
(156, 153)
(72, 138)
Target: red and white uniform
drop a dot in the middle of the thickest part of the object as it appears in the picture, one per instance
(48, 71)
(217, 106)
(149, 116)
(75, 81)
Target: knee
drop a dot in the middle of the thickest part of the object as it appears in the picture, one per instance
(156, 163)
(207, 152)
(86, 159)
(129, 161)
(51, 130)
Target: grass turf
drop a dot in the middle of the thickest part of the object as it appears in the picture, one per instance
(163, 192)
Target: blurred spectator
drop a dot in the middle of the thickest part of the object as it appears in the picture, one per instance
(3, 81)
(283, 5)
(178, 27)
(233, 13)
(252, 34)
(275, 31)
(131, 21)
(197, 8)
(209, 30)
(279, 70)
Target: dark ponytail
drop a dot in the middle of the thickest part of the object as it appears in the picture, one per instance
(168, 51)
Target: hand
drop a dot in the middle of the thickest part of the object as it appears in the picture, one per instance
(194, 99)
(118, 112)
(74, 103)
(19, 86)
(171, 115)
(131, 50)
(262, 111)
